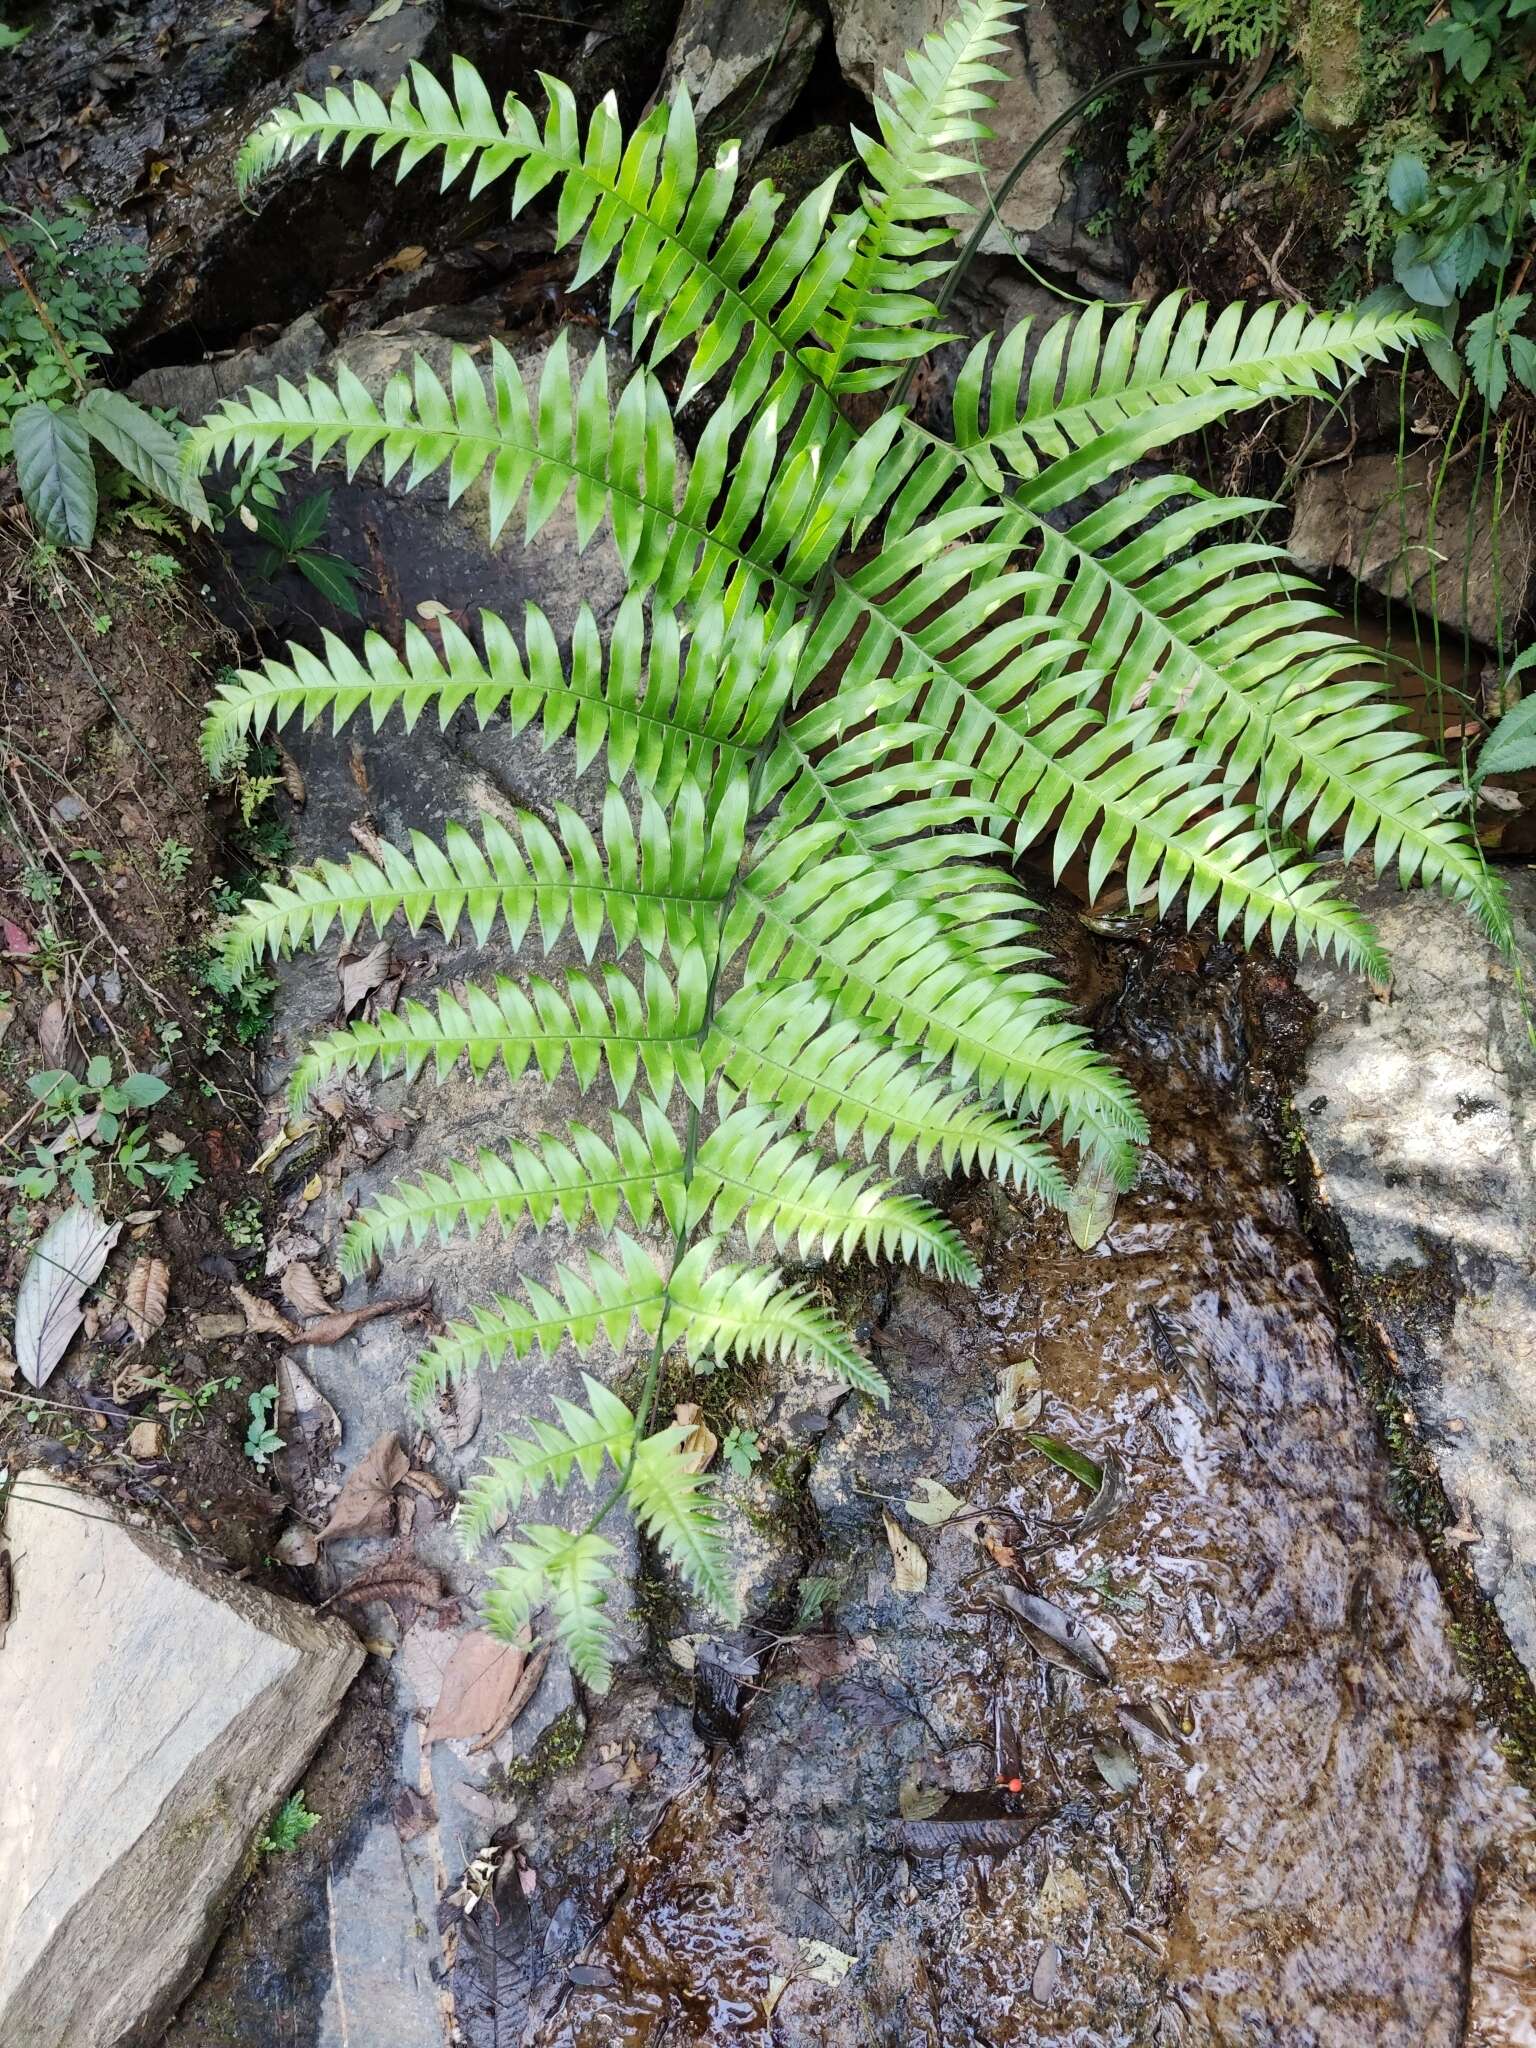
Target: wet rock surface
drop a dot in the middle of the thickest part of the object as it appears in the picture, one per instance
(1276, 1821)
(152, 1715)
(1419, 1114)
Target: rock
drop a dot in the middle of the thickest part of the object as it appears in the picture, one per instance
(1337, 87)
(1043, 213)
(193, 389)
(744, 65)
(411, 547)
(1371, 519)
(1304, 1739)
(152, 1715)
(1420, 1117)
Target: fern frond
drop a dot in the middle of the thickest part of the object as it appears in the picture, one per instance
(613, 1024)
(878, 309)
(749, 1169)
(1165, 371)
(746, 1312)
(846, 923)
(660, 705)
(607, 1300)
(786, 1046)
(691, 267)
(571, 1572)
(678, 1508)
(551, 1178)
(583, 1441)
(662, 885)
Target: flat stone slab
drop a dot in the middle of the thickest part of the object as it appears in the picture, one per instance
(152, 1716)
(1420, 1116)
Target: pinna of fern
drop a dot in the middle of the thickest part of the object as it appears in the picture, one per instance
(858, 668)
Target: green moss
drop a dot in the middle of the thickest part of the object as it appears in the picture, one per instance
(555, 1750)
(1335, 98)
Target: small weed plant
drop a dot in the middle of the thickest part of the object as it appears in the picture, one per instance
(860, 667)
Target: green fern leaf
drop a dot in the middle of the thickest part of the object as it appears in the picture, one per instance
(572, 1574)
(612, 1025)
(677, 1508)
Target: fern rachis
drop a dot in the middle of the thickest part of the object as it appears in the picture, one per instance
(857, 667)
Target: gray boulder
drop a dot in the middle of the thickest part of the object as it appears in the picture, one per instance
(744, 66)
(151, 1717)
(1420, 1117)
(1456, 555)
(1043, 213)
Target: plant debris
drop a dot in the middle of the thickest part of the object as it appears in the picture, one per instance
(911, 1565)
(146, 1297)
(1050, 1631)
(366, 1502)
(50, 1301)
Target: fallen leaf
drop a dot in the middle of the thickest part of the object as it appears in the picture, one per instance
(994, 1835)
(1050, 1631)
(1463, 1532)
(527, 1686)
(414, 1813)
(1081, 1467)
(482, 1675)
(825, 1964)
(684, 1650)
(261, 1318)
(364, 1505)
(1019, 1395)
(291, 773)
(50, 1301)
(459, 1410)
(994, 1541)
(700, 1443)
(302, 1410)
(303, 1292)
(940, 1507)
(361, 975)
(342, 1322)
(911, 1565)
(145, 1297)
(1042, 1986)
(405, 260)
(916, 1800)
(1091, 1205)
(1106, 1500)
(53, 1034)
(403, 1582)
(1118, 1768)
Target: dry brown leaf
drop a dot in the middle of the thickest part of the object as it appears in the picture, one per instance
(365, 1502)
(361, 975)
(146, 1297)
(261, 1318)
(911, 1565)
(53, 1035)
(402, 1581)
(700, 1443)
(1019, 1396)
(527, 1686)
(303, 1411)
(291, 773)
(481, 1677)
(342, 1322)
(303, 1292)
(415, 1812)
(460, 1407)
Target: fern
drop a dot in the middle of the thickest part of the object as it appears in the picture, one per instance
(858, 667)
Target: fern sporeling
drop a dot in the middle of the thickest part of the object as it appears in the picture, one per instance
(855, 669)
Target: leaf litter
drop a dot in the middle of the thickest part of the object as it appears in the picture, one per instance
(50, 1303)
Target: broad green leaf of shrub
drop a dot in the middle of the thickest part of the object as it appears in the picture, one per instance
(56, 472)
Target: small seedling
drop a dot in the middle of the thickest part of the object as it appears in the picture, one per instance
(262, 1442)
(243, 1225)
(175, 859)
(742, 1450)
(90, 1132)
(184, 1406)
(290, 1824)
